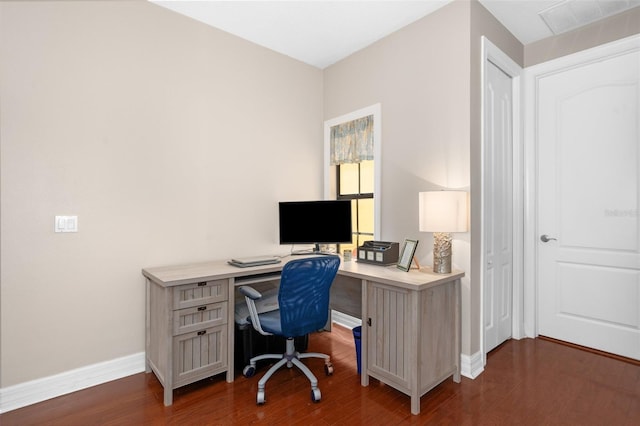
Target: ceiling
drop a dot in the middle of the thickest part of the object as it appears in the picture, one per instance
(321, 33)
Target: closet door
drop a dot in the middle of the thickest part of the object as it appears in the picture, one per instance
(498, 207)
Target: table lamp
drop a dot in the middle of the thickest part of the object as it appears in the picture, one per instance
(443, 212)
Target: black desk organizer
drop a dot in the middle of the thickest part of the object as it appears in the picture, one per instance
(379, 252)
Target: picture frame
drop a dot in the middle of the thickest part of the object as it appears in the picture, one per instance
(406, 254)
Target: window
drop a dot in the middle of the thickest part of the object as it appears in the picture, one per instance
(352, 169)
(355, 182)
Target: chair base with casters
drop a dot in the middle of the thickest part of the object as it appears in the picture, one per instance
(291, 357)
(303, 307)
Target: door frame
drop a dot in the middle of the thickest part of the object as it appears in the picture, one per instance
(492, 54)
(531, 77)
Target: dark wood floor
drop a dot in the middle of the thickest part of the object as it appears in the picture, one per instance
(527, 382)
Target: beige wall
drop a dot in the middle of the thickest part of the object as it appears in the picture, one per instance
(170, 140)
(607, 30)
(427, 78)
(420, 75)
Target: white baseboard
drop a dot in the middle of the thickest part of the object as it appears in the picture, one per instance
(345, 320)
(471, 366)
(23, 394)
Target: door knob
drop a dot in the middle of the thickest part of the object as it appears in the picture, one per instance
(545, 238)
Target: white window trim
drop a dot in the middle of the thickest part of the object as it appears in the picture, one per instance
(330, 171)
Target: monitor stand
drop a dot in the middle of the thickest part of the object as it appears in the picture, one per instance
(315, 250)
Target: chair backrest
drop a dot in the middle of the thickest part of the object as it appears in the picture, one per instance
(304, 294)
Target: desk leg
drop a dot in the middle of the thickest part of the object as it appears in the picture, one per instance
(364, 338)
(169, 349)
(147, 326)
(414, 346)
(415, 404)
(231, 306)
(458, 332)
(168, 396)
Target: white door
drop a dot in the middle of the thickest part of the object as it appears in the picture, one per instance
(588, 191)
(497, 211)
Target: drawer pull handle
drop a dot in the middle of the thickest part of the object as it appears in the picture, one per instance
(203, 332)
(202, 283)
(202, 308)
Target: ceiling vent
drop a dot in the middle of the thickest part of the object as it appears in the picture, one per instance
(570, 14)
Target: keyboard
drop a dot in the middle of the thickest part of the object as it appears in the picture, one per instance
(245, 262)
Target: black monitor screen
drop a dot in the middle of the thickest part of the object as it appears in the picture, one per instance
(315, 222)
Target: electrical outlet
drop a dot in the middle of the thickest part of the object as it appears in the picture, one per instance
(66, 224)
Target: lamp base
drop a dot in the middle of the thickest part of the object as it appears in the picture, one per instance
(442, 252)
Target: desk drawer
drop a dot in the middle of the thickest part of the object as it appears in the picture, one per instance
(201, 293)
(199, 355)
(199, 317)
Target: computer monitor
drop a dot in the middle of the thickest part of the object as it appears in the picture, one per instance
(315, 222)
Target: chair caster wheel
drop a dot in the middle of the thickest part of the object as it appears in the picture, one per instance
(260, 398)
(315, 395)
(328, 369)
(248, 371)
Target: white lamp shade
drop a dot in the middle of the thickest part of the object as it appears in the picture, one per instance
(443, 211)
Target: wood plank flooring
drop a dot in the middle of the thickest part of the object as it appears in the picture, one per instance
(527, 382)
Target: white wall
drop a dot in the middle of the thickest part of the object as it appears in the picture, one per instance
(170, 140)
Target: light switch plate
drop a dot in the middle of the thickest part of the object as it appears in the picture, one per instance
(66, 224)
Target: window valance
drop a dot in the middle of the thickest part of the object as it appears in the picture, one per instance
(352, 141)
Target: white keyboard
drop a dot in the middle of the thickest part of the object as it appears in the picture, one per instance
(244, 262)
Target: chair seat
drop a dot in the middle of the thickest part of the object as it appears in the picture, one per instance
(270, 322)
(267, 303)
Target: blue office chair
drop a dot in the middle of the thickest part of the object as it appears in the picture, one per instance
(303, 299)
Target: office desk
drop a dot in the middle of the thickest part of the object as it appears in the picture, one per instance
(410, 334)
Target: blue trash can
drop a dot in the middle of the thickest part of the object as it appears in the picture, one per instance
(357, 334)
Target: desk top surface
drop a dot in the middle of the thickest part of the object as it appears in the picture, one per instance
(168, 276)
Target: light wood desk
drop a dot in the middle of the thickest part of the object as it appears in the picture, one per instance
(410, 334)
